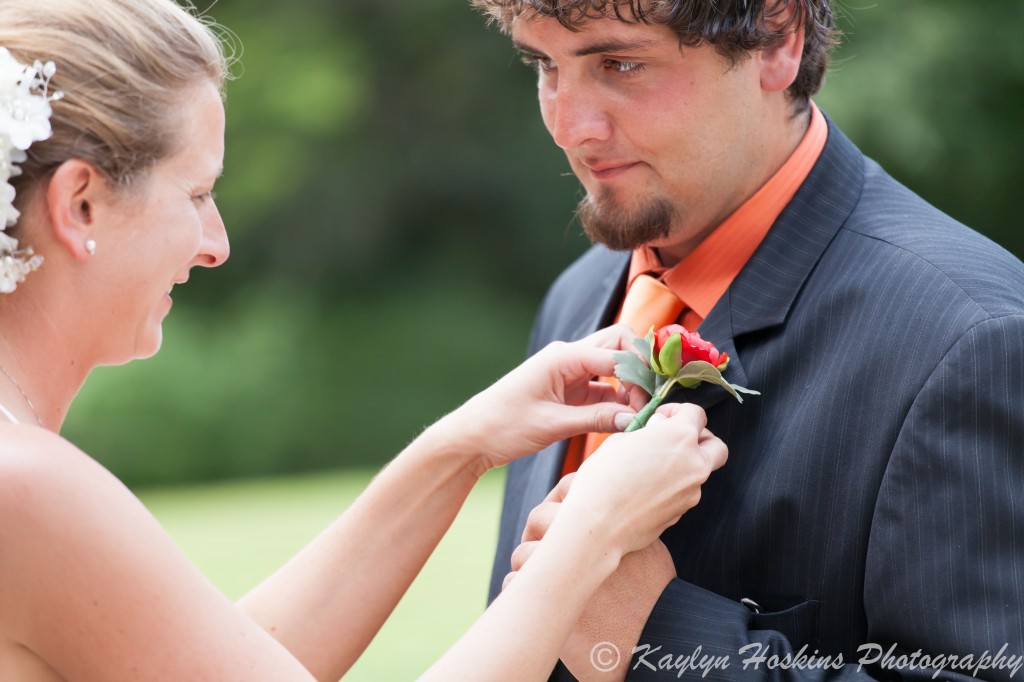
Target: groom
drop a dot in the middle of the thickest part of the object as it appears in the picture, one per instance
(871, 514)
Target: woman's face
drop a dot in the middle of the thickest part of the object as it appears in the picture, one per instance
(163, 229)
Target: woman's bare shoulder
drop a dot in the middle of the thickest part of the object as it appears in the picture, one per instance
(52, 498)
(36, 466)
(94, 586)
(46, 484)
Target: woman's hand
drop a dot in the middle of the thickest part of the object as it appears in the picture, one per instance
(548, 398)
(634, 487)
(643, 482)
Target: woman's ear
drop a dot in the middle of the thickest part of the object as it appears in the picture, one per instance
(75, 193)
(780, 62)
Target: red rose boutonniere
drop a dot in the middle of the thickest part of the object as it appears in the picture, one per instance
(669, 357)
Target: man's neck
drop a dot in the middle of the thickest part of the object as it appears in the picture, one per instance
(789, 139)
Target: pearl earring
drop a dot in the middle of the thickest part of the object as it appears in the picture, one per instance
(90, 246)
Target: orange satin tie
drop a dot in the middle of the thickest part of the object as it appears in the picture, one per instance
(648, 303)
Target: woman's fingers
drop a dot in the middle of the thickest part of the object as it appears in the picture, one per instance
(576, 363)
(715, 451)
(616, 337)
(686, 413)
(636, 397)
(653, 475)
(601, 392)
(594, 354)
(602, 418)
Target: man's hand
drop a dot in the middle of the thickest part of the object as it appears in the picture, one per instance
(617, 613)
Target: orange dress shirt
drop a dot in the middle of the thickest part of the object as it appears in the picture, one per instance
(701, 278)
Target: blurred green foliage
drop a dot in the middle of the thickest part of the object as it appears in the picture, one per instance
(238, 533)
(397, 210)
(933, 90)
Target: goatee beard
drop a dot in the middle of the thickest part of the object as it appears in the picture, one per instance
(605, 222)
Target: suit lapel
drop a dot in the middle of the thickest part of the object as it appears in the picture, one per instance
(762, 294)
(717, 328)
(596, 302)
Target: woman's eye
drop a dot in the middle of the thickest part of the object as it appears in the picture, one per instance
(204, 197)
(624, 67)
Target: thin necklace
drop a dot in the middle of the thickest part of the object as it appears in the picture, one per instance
(23, 395)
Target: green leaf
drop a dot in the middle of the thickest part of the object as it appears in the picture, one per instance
(643, 346)
(698, 371)
(652, 358)
(632, 369)
(671, 357)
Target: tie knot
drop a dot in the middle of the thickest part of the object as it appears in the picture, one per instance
(649, 303)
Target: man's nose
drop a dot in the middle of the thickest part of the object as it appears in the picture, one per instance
(576, 115)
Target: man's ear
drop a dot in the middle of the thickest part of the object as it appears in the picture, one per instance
(780, 63)
(73, 196)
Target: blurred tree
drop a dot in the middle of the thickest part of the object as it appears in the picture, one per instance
(933, 90)
(370, 138)
(391, 191)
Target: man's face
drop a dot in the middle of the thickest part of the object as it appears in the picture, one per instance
(667, 140)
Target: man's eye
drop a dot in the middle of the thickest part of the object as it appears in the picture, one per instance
(204, 197)
(536, 62)
(624, 67)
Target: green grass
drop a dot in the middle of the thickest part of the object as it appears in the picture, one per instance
(239, 533)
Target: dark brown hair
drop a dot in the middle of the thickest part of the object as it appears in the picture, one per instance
(734, 27)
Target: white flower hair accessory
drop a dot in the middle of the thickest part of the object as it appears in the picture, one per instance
(24, 118)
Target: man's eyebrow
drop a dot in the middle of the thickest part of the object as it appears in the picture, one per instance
(524, 48)
(609, 46)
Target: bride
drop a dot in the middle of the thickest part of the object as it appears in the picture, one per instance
(108, 161)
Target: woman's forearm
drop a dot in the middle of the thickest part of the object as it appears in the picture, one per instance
(328, 602)
(522, 633)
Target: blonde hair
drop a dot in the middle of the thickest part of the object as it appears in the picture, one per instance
(122, 66)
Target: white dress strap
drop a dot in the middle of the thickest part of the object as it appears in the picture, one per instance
(7, 413)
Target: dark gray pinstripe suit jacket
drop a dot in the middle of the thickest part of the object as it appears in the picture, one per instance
(875, 490)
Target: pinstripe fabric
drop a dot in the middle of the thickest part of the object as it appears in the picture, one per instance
(874, 493)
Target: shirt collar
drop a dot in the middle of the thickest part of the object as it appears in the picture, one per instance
(703, 276)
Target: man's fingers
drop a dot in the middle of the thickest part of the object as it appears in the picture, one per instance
(561, 489)
(522, 554)
(539, 520)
